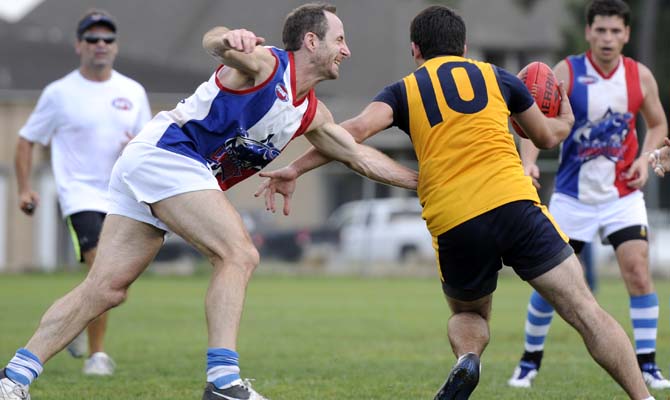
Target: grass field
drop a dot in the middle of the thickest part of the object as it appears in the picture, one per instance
(314, 338)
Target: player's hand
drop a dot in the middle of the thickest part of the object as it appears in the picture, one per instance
(281, 181)
(637, 174)
(659, 159)
(242, 40)
(565, 110)
(28, 202)
(533, 171)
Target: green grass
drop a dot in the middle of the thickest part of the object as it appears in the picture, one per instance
(311, 338)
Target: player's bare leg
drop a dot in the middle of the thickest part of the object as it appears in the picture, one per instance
(97, 327)
(125, 249)
(208, 221)
(565, 288)
(468, 331)
(98, 362)
(468, 327)
(633, 258)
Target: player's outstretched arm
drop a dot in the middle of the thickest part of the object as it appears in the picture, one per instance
(657, 129)
(335, 142)
(376, 117)
(239, 49)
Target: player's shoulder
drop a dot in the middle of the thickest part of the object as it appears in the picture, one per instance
(121, 77)
(127, 81)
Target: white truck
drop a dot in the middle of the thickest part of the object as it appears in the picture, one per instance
(380, 230)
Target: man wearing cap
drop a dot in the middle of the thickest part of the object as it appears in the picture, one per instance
(86, 117)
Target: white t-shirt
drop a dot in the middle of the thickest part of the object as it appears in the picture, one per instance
(86, 123)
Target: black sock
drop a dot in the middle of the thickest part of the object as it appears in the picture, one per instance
(646, 358)
(533, 356)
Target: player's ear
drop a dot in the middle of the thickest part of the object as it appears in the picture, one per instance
(465, 50)
(416, 51)
(310, 41)
(627, 32)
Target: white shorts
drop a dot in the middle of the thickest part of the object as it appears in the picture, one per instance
(581, 221)
(145, 174)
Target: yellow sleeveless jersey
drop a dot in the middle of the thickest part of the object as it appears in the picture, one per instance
(456, 112)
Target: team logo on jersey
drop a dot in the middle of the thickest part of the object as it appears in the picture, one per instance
(604, 137)
(587, 79)
(281, 92)
(122, 103)
(241, 153)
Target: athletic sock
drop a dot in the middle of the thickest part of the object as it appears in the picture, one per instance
(222, 367)
(538, 321)
(24, 368)
(644, 315)
(534, 357)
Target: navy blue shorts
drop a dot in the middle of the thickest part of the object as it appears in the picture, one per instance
(85, 228)
(521, 234)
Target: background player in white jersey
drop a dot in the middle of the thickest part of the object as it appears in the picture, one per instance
(87, 117)
(171, 175)
(599, 177)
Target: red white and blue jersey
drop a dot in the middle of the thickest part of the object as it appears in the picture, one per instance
(236, 132)
(603, 143)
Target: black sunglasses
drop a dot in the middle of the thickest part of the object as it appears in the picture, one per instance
(93, 39)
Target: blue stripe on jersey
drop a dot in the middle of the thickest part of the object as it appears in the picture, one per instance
(200, 139)
(567, 177)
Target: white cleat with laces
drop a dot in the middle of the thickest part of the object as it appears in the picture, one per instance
(10, 390)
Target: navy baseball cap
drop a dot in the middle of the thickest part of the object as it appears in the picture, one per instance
(95, 17)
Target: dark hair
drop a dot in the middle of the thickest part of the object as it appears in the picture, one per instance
(438, 31)
(306, 18)
(607, 8)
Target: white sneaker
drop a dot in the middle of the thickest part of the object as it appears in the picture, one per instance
(523, 375)
(99, 364)
(653, 377)
(10, 390)
(239, 390)
(79, 345)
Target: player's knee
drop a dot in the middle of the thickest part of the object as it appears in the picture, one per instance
(638, 282)
(242, 254)
(104, 295)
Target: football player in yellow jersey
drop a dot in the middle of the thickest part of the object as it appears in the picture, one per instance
(480, 208)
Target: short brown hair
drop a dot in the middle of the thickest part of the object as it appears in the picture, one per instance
(608, 8)
(306, 18)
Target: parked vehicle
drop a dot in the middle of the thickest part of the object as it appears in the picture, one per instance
(381, 230)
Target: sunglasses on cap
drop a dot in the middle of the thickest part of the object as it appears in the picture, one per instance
(93, 39)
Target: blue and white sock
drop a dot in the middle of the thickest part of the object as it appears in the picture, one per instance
(538, 321)
(24, 368)
(644, 315)
(222, 367)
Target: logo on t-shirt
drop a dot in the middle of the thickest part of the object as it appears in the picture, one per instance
(122, 103)
(282, 93)
(587, 79)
